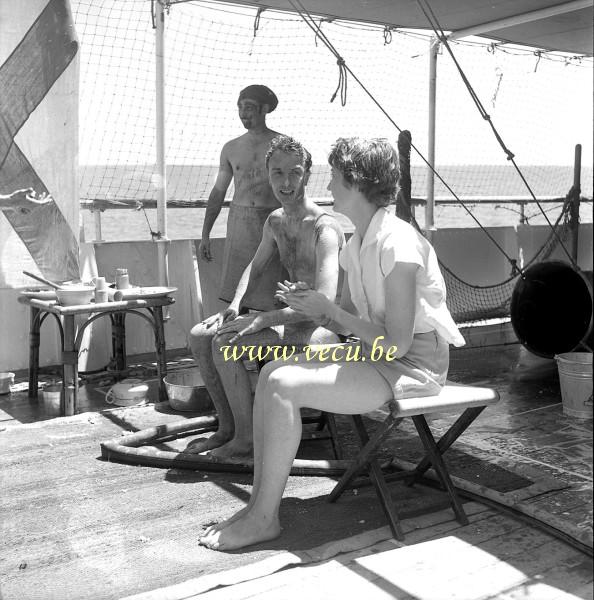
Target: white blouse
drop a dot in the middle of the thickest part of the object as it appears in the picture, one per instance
(368, 262)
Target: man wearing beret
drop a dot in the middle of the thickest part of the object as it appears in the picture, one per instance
(243, 162)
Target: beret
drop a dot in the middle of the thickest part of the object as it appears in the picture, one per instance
(261, 94)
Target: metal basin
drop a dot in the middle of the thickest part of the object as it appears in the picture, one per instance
(186, 391)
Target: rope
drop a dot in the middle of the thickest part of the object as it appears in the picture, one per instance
(257, 19)
(304, 14)
(432, 19)
(342, 82)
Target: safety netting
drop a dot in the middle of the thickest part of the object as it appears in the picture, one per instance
(540, 100)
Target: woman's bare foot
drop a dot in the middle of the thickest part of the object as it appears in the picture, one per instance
(218, 526)
(234, 450)
(216, 440)
(243, 532)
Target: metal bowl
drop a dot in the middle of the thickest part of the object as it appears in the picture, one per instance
(186, 391)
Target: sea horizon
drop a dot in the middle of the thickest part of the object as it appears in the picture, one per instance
(194, 182)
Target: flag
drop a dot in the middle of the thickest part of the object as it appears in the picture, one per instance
(39, 136)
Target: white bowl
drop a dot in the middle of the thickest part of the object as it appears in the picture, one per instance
(72, 295)
(128, 392)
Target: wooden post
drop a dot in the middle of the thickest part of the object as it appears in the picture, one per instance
(574, 210)
(34, 337)
(403, 198)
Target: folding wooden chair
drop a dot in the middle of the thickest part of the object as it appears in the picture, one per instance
(468, 400)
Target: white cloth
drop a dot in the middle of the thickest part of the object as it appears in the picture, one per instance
(368, 262)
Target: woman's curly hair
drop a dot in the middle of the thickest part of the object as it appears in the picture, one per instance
(369, 165)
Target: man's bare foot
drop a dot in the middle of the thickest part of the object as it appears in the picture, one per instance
(233, 450)
(243, 532)
(216, 440)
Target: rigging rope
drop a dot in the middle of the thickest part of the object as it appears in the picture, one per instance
(344, 70)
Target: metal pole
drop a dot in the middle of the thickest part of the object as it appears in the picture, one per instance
(574, 211)
(528, 17)
(161, 170)
(430, 205)
(98, 232)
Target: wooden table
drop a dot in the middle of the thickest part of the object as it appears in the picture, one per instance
(150, 309)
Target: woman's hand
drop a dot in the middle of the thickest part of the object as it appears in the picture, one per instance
(301, 299)
(243, 325)
(286, 287)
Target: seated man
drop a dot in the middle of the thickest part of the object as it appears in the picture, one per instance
(308, 242)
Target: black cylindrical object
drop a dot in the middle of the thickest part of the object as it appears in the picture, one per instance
(551, 308)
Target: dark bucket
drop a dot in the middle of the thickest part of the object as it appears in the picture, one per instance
(551, 308)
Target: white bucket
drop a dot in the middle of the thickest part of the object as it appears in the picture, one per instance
(52, 395)
(575, 377)
(6, 380)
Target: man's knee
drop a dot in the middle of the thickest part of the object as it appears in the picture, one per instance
(219, 342)
(322, 335)
(201, 339)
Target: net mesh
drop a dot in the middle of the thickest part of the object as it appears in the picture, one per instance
(214, 50)
(470, 303)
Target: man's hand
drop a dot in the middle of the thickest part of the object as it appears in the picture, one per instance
(224, 316)
(243, 325)
(24, 201)
(204, 249)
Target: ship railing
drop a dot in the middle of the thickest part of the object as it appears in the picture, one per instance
(513, 204)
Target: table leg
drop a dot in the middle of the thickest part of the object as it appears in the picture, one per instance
(34, 336)
(70, 363)
(160, 349)
(118, 340)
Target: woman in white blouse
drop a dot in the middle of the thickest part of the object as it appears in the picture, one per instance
(393, 301)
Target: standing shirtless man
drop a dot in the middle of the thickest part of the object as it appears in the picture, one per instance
(242, 161)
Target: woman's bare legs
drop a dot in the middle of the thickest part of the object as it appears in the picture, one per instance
(347, 388)
(319, 336)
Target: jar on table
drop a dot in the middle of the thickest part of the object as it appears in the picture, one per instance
(122, 279)
(101, 294)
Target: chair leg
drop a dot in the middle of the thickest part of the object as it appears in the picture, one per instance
(449, 437)
(334, 439)
(365, 460)
(440, 467)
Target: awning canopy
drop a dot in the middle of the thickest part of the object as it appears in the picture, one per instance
(543, 24)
